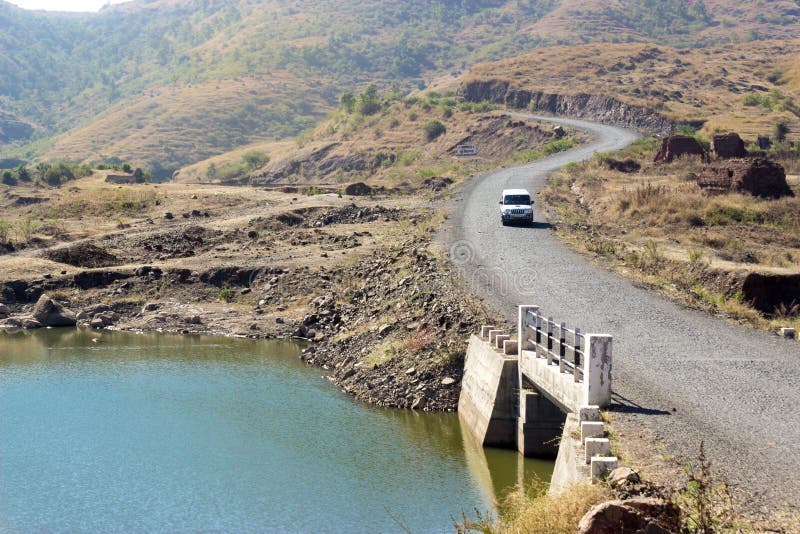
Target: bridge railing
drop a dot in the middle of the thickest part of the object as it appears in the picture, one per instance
(557, 343)
(586, 357)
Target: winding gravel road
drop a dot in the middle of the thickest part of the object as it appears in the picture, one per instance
(681, 373)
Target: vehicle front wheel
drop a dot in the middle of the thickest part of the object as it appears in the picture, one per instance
(503, 222)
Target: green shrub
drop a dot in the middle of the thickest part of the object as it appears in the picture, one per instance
(23, 174)
(775, 75)
(226, 294)
(433, 129)
(369, 101)
(477, 107)
(347, 102)
(255, 159)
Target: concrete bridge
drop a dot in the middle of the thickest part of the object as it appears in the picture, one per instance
(540, 392)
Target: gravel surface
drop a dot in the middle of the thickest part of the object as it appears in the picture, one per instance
(681, 373)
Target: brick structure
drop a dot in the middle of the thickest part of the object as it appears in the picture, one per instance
(759, 177)
(728, 145)
(676, 146)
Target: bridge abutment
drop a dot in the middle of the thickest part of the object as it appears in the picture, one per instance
(539, 425)
(540, 393)
(487, 404)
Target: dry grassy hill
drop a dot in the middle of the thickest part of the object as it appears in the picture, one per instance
(676, 23)
(164, 127)
(139, 80)
(746, 89)
(394, 148)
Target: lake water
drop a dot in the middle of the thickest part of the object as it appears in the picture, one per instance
(119, 432)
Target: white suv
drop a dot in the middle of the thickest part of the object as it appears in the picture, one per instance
(516, 206)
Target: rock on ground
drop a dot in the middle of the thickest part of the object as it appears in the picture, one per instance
(49, 312)
(640, 514)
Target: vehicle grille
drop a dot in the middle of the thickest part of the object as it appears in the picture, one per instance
(516, 212)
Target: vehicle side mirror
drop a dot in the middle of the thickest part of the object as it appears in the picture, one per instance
(501, 202)
(531, 202)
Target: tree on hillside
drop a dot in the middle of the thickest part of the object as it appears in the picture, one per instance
(255, 159)
(23, 174)
(780, 131)
(347, 101)
(369, 101)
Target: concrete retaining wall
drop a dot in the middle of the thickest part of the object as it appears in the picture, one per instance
(570, 465)
(487, 405)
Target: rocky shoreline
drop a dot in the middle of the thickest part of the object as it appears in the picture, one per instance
(391, 329)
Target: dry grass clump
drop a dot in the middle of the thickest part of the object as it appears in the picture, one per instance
(658, 226)
(103, 202)
(534, 511)
(662, 204)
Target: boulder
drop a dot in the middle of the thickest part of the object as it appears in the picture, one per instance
(728, 145)
(559, 131)
(676, 146)
(12, 322)
(358, 189)
(758, 177)
(108, 317)
(385, 329)
(623, 475)
(612, 517)
(665, 512)
(150, 307)
(626, 166)
(49, 312)
(437, 184)
(4, 311)
(31, 324)
(640, 514)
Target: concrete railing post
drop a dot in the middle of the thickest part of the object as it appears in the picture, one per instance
(577, 374)
(525, 320)
(597, 370)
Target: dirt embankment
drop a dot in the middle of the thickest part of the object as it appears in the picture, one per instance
(498, 137)
(600, 108)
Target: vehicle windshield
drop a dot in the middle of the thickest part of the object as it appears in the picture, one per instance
(512, 200)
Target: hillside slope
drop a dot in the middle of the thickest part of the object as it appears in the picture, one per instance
(721, 88)
(88, 76)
